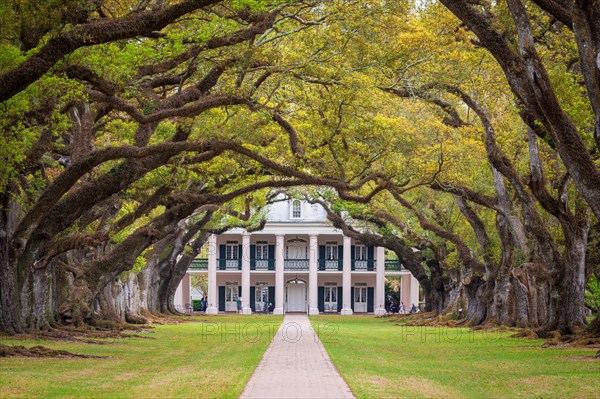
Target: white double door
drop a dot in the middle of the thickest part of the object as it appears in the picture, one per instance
(296, 297)
(360, 299)
(331, 300)
(261, 298)
(231, 296)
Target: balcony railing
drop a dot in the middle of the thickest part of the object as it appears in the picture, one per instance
(295, 264)
(229, 264)
(262, 264)
(331, 264)
(393, 265)
(199, 264)
(363, 264)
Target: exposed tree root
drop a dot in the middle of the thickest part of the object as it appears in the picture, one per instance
(594, 327)
(574, 341)
(526, 333)
(135, 319)
(88, 334)
(582, 339)
(163, 318)
(39, 351)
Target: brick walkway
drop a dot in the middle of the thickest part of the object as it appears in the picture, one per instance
(296, 365)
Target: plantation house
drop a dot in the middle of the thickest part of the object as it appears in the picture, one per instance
(297, 263)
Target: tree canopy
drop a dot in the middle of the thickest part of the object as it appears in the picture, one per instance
(134, 129)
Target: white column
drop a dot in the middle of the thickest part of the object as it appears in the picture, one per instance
(246, 274)
(279, 281)
(313, 291)
(179, 295)
(414, 292)
(186, 291)
(379, 305)
(212, 306)
(347, 277)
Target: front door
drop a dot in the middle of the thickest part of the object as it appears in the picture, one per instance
(331, 299)
(360, 299)
(296, 297)
(231, 295)
(261, 297)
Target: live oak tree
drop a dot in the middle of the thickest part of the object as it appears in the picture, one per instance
(530, 250)
(98, 129)
(517, 50)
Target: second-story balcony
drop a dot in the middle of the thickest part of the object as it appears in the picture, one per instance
(199, 264)
(393, 265)
(295, 264)
(331, 264)
(229, 264)
(262, 264)
(363, 264)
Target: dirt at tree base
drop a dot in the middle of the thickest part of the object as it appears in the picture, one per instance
(576, 341)
(162, 319)
(87, 334)
(583, 339)
(526, 333)
(40, 351)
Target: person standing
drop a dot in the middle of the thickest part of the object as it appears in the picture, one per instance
(238, 301)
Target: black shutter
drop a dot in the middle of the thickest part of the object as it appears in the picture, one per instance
(222, 257)
(340, 257)
(321, 257)
(321, 302)
(221, 298)
(252, 257)
(370, 299)
(340, 298)
(371, 258)
(271, 258)
(253, 298)
(352, 256)
(352, 298)
(240, 254)
(271, 295)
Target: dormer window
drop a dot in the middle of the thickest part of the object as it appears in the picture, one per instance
(296, 209)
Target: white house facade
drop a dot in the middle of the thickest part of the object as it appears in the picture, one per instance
(297, 263)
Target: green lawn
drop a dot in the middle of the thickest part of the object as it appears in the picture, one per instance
(209, 357)
(379, 358)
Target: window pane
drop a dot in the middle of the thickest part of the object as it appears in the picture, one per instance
(296, 209)
(331, 252)
(261, 252)
(231, 251)
(361, 252)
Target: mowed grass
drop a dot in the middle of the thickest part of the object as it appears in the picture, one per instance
(209, 357)
(379, 358)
